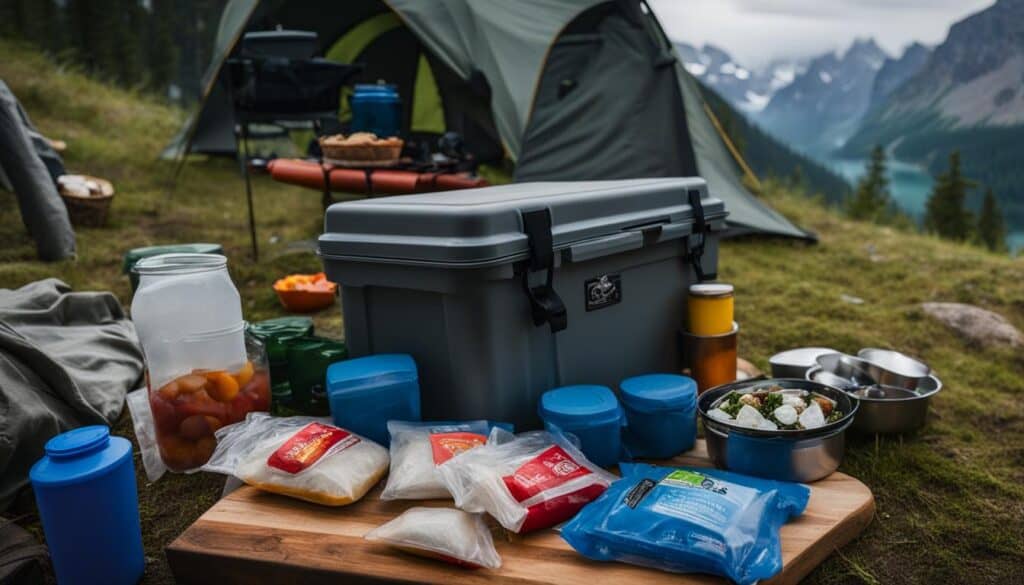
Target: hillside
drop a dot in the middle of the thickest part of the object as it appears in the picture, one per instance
(949, 499)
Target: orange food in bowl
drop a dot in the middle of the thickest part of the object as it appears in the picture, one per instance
(304, 293)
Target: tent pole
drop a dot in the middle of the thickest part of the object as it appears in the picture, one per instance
(244, 161)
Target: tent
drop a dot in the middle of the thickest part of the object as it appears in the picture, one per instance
(567, 89)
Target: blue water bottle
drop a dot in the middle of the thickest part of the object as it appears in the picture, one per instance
(85, 491)
(377, 109)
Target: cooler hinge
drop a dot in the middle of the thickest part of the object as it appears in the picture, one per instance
(695, 243)
(545, 303)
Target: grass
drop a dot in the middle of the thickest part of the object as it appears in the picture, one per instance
(950, 498)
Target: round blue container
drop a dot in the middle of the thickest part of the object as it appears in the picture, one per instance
(662, 414)
(376, 108)
(592, 413)
(365, 393)
(85, 491)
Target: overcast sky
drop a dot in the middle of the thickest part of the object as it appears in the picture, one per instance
(755, 32)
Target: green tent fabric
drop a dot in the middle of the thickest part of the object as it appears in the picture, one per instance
(567, 89)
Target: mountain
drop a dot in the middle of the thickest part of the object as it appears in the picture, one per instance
(770, 158)
(824, 104)
(969, 96)
(895, 72)
(746, 89)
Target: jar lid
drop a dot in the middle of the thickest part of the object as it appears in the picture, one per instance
(78, 441)
(582, 405)
(656, 392)
(711, 289)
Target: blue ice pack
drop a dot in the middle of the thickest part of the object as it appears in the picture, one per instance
(689, 520)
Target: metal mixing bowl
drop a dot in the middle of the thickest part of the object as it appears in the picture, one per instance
(892, 368)
(787, 455)
(887, 409)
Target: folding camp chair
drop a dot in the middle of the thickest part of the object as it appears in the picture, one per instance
(275, 79)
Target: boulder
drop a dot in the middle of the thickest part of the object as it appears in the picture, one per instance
(976, 324)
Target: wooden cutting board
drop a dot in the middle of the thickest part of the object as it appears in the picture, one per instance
(255, 537)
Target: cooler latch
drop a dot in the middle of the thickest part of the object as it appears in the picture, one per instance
(545, 303)
(695, 243)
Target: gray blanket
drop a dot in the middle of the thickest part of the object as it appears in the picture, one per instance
(66, 360)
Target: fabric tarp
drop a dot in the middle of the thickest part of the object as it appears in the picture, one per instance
(66, 360)
(23, 157)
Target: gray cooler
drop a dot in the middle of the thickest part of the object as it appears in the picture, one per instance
(504, 292)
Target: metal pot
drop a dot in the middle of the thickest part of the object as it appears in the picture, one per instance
(794, 363)
(888, 409)
(892, 368)
(787, 455)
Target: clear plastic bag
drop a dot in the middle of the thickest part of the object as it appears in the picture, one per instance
(689, 521)
(445, 534)
(145, 433)
(417, 448)
(527, 482)
(302, 457)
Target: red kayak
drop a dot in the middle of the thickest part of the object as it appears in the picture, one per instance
(372, 181)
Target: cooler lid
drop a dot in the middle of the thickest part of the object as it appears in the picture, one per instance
(358, 375)
(582, 405)
(655, 392)
(484, 226)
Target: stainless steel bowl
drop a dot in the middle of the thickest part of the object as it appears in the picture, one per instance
(887, 409)
(892, 368)
(787, 455)
(794, 363)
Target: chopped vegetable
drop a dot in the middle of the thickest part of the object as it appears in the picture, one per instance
(772, 407)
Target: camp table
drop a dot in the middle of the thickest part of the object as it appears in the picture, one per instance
(250, 536)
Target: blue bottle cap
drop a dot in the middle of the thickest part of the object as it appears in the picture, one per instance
(571, 407)
(357, 375)
(656, 392)
(78, 441)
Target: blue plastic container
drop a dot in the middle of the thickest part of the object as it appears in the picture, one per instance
(592, 413)
(85, 491)
(365, 393)
(661, 410)
(376, 108)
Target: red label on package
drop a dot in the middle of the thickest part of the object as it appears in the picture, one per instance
(448, 445)
(308, 446)
(560, 509)
(551, 468)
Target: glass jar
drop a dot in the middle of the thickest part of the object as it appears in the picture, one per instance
(202, 370)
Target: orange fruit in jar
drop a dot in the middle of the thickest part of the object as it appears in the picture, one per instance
(198, 426)
(201, 403)
(202, 450)
(169, 391)
(221, 386)
(177, 453)
(243, 375)
(191, 383)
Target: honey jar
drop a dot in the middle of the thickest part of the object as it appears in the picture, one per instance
(710, 309)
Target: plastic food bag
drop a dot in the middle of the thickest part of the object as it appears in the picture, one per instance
(689, 521)
(417, 448)
(527, 482)
(445, 534)
(302, 457)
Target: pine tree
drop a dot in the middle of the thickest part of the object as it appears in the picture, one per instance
(945, 214)
(991, 228)
(871, 200)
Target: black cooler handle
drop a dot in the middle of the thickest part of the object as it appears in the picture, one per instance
(546, 305)
(695, 251)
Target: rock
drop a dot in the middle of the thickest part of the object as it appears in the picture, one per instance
(851, 299)
(976, 324)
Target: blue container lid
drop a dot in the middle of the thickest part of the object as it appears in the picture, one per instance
(78, 455)
(360, 375)
(656, 392)
(571, 407)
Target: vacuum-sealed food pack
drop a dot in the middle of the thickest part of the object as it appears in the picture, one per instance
(527, 482)
(445, 534)
(689, 520)
(417, 448)
(302, 457)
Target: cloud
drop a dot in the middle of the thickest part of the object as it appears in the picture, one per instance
(759, 31)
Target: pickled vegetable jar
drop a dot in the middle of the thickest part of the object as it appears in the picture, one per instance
(202, 370)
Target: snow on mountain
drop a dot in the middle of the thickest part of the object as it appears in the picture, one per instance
(745, 89)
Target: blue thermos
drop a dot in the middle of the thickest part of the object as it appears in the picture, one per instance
(85, 491)
(376, 108)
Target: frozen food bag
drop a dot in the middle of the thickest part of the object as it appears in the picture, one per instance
(302, 457)
(527, 482)
(689, 520)
(445, 534)
(417, 448)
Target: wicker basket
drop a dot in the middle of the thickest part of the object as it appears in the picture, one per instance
(92, 210)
